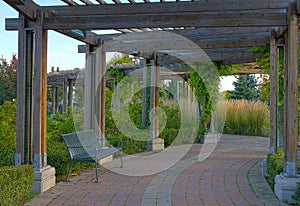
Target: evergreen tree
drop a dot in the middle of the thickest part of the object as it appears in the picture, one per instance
(246, 87)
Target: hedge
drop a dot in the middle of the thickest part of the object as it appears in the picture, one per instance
(15, 183)
(274, 166)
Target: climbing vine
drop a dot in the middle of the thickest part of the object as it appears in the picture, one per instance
(206, 90)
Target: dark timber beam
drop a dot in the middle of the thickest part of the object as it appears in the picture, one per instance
(169, 7)
(243, 18)
(25, 7)
(11, 24)
(200, 33)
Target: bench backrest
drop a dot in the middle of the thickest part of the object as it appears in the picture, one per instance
(80, 139)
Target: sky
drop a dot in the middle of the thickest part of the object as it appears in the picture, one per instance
(62, 50)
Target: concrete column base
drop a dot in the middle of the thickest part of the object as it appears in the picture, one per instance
(106, 159)
(264, 168)
(285, 187)
(156, 144)
(44, 179)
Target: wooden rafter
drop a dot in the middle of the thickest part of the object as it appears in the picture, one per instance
(26, 8)
(256, 18)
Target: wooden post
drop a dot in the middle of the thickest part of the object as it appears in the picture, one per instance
(286, 102)
(273, 92)
(70, 93)
(156, 143)
(145, 85)
(21, 121)
(44, 97)
(188, 96)
(103, 92)
(28, 121)
(53, 99)
(89, 89)
(177, 90)
(183, 92)
(154, 97)
(65, 95)
(99, 79)
(292, 93)
(39, 96)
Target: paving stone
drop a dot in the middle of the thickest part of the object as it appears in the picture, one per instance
(229, 176)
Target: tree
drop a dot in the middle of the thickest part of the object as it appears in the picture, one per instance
(8, 79)
(246, 87)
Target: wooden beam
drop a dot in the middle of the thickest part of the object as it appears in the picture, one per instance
(70, 2)
(205, 32)
(205, 55)
(170, 7)
(87, 2)
(258, 18)
(26, 8)
(11, 24)
(292, 87)
(166, 43)
(273, 93)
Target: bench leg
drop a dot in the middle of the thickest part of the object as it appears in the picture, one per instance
(70, 167)
(121, 159)
(96, 169)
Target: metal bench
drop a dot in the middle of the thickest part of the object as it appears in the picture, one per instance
(85, 146)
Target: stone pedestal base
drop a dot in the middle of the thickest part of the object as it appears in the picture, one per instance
(285, 187)
(106, 159)
(44, 179)
(264, 168)
(156, 144)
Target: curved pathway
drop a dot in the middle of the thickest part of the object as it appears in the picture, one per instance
(230, 176)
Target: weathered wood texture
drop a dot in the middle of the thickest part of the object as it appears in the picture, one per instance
(292, 95)
(39, 135)
(89, 90)
(273, 93)
(26, 8)
(19, 158)
(145, 85)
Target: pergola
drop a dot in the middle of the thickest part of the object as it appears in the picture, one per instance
(225, 30)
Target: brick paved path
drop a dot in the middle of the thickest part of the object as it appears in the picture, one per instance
(230, 176)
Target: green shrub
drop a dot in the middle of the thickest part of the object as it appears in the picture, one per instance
(7, 133)
(296, 197)
(274, 166)
(172, 136)
(57, 153)
(15, 183)
(131, 144)
(58, 157)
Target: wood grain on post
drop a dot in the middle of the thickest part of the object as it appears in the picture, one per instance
(292, 87)
(20, 92)
(273, 93)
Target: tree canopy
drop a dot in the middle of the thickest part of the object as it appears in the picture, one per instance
(246, 87)
(8, 79)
